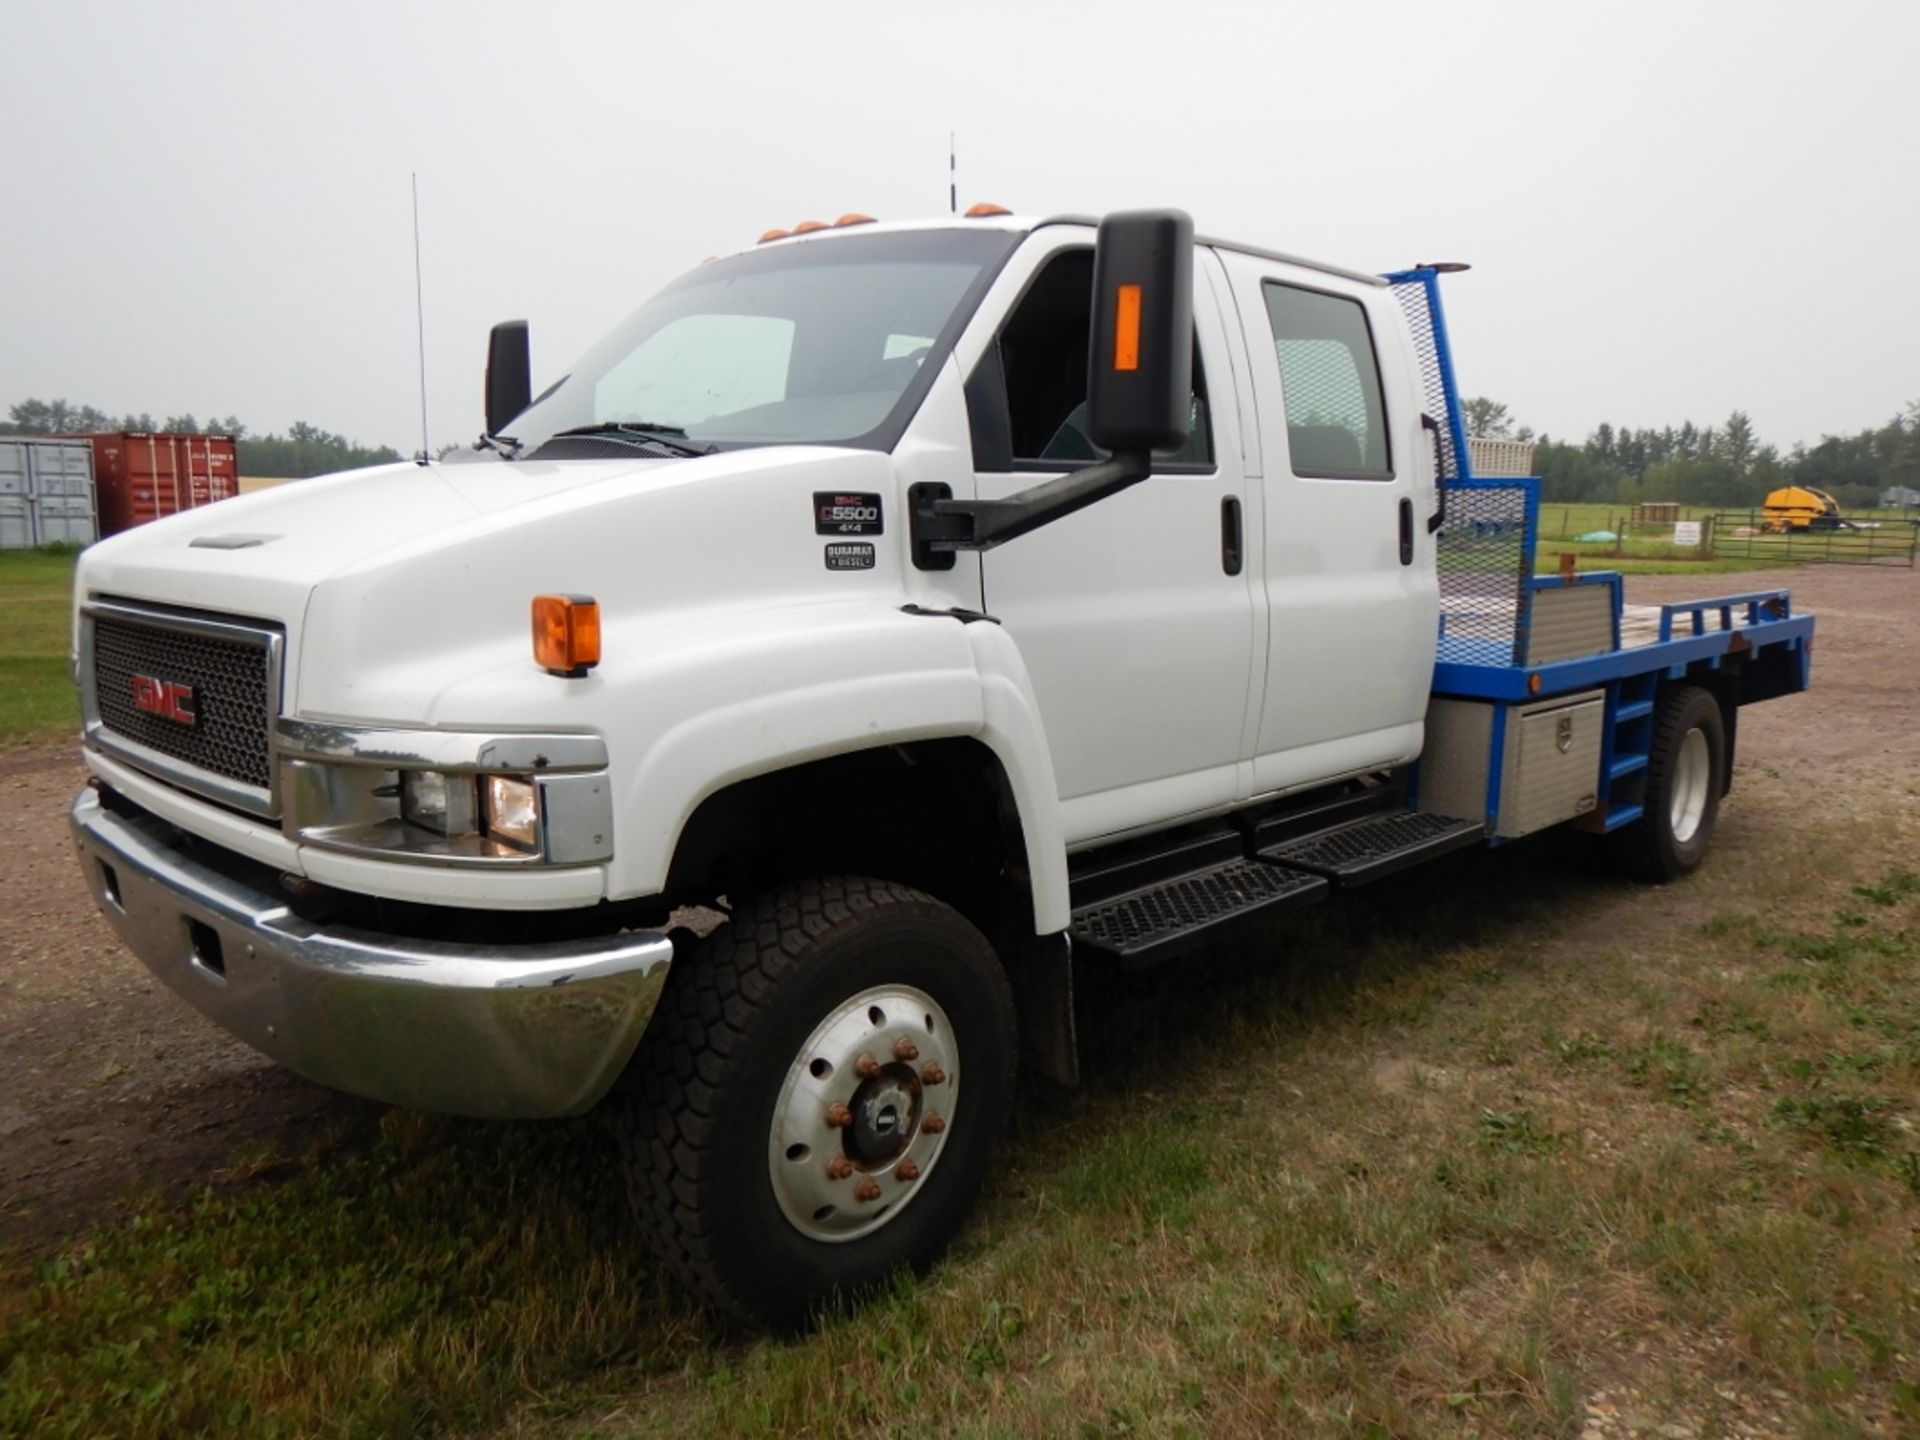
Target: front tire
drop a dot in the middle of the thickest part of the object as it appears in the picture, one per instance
(817, 1098)
(1686, 769)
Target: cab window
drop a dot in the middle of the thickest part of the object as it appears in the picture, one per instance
(1029, 396)
(1336, 421)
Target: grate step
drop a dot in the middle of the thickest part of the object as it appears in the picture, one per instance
(1162, 920)
(1369, 849)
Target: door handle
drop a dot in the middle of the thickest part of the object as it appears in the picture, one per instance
(1439, 516)
(1406, 531)
(1230, 556)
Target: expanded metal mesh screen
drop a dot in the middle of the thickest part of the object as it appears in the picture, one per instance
(1412, 295)
(1484, 553)
(1323, 385)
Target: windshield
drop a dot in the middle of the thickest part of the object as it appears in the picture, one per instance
(826, 342)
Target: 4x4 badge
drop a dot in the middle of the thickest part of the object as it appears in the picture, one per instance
(168, 699)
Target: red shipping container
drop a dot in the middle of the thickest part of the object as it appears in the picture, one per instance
(141, 477)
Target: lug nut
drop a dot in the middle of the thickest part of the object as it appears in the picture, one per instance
(839, 1167)
(932, 1074)
(866, 1067)
(933, 1124)
(907, 1170)
(905, 1049)
(867, 1191)
(839, 1116)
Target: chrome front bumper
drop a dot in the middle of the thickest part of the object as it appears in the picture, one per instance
(507, 1031)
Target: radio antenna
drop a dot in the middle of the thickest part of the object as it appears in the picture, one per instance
(420, 324)
(953, 182)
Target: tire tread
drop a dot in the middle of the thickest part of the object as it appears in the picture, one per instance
(698, 1030)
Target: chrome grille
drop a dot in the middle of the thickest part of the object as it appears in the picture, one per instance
(231, 666)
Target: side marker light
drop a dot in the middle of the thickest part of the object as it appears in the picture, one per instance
(566, 634)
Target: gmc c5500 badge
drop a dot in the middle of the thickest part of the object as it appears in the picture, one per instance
(845, 514)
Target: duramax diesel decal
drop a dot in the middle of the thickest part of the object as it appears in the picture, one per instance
(856, 556)
(836, 514)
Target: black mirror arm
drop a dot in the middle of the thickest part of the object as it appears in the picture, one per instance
(947, 525)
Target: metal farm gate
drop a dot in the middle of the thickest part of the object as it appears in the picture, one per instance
(1743, 534)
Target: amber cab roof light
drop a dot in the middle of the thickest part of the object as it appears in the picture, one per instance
(984, 209)
(566, 634)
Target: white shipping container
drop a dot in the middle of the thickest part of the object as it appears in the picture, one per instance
(46, 491)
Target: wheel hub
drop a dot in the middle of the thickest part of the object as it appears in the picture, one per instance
(1692, 777)
(862, 1116)
(886, 1112)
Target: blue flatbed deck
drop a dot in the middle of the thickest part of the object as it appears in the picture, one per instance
(1688, 633)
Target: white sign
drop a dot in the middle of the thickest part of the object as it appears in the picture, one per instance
(1686, 532)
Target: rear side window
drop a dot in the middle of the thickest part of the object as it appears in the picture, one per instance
(1336, 422)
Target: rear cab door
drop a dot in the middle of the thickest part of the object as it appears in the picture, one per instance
(1348, 582)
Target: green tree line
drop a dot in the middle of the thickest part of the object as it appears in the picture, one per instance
(1726, 466)
(304, 450)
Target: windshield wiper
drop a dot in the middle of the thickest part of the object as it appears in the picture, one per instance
(504, 444)
(670, 437)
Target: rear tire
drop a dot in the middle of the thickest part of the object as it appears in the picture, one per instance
(1686, 770)
(832, 994)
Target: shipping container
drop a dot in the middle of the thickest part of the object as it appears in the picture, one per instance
(46, 491)
(141, 477)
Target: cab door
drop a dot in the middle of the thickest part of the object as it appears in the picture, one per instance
(1348, 579)
(1135, 616)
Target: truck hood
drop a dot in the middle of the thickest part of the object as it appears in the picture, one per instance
(261, 554)
(404, 590)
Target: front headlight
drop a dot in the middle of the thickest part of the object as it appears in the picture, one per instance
(437, 801)
(447, 797)
(452, 804)
(513, 811)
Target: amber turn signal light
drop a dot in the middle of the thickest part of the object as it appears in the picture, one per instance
(1126, 328)
(566, 633)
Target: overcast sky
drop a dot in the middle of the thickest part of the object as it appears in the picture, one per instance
(1672, 209)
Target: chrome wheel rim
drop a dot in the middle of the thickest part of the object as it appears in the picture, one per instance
(862, 1117)
(1692, 776)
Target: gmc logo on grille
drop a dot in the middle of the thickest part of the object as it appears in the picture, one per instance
(168, 699)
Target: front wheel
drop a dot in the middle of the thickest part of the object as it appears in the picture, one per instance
(816, 1101)
(1685, 768)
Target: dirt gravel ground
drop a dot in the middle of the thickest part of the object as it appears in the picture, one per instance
(109, 1086)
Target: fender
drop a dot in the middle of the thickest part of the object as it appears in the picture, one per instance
(896, 677)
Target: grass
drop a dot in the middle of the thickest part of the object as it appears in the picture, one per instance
(1446, 1167)
(37, 700)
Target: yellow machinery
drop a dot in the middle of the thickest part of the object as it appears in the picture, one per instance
(1800, 507)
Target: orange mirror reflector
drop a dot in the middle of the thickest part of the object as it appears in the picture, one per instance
(1126, 327)
(566, 633)
(985, 208)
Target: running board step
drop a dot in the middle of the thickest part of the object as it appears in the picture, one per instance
(1157, 922)
(1365, 850)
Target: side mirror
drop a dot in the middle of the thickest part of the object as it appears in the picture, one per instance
(1139, 392)
(509, 374)
(1140, 371)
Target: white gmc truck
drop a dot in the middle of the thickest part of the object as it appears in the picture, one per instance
(946, 604)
